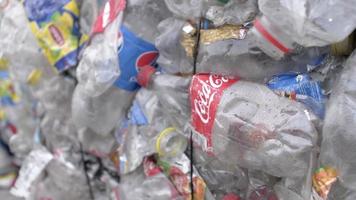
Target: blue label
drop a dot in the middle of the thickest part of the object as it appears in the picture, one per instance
(4, 75)
(134, 53)
(310, 91)
(137, 117)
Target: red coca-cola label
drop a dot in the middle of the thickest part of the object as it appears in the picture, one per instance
(111, 10)
(205, 93)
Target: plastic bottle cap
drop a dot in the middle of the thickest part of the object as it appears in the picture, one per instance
(163, 135)
(34, 77)
(144, 75)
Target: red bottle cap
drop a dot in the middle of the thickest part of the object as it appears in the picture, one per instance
(144, 75)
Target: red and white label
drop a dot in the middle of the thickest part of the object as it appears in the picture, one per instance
(206, 91)
(111, 10)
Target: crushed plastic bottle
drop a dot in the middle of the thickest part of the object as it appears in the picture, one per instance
(149, 134)
(221, 178)
(146, 179)
(338, 135)
(135, 51)
(97, 73)
(307, 23)
(226, 50)
(229, 120)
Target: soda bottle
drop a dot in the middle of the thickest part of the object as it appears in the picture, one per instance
(239, 54)
(308, 23)
(246, 124)
(102, 111)
(228, 50)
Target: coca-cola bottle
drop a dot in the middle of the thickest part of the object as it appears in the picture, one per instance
(249, 125)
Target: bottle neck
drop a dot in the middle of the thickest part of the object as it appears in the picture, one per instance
(271, 39)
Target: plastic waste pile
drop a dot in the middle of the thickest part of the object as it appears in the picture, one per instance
(177, 100)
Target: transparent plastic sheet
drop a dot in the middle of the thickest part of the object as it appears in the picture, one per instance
(186, 8)
(234, 12)
(173, 95)
(339, 192)
(145, 179)
(338, 131)
(102, 113)
(260, 186)
(55, 94)
(221, 178)
(58, 133)
(93, 142)
(143, 16)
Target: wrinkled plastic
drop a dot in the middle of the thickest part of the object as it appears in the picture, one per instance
(172, 60)
(253, 127)
(242, 58)
(144, 24)
(141, 184)
(97, 73)
(154, 135)
(234, 12)
(221, 178)
(15, 43)
(102, 113)
(308, 23)
(338, 131)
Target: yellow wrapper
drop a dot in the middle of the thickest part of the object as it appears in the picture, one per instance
(57, 33)
(189, 44)
(225, 32)
(4, 64)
